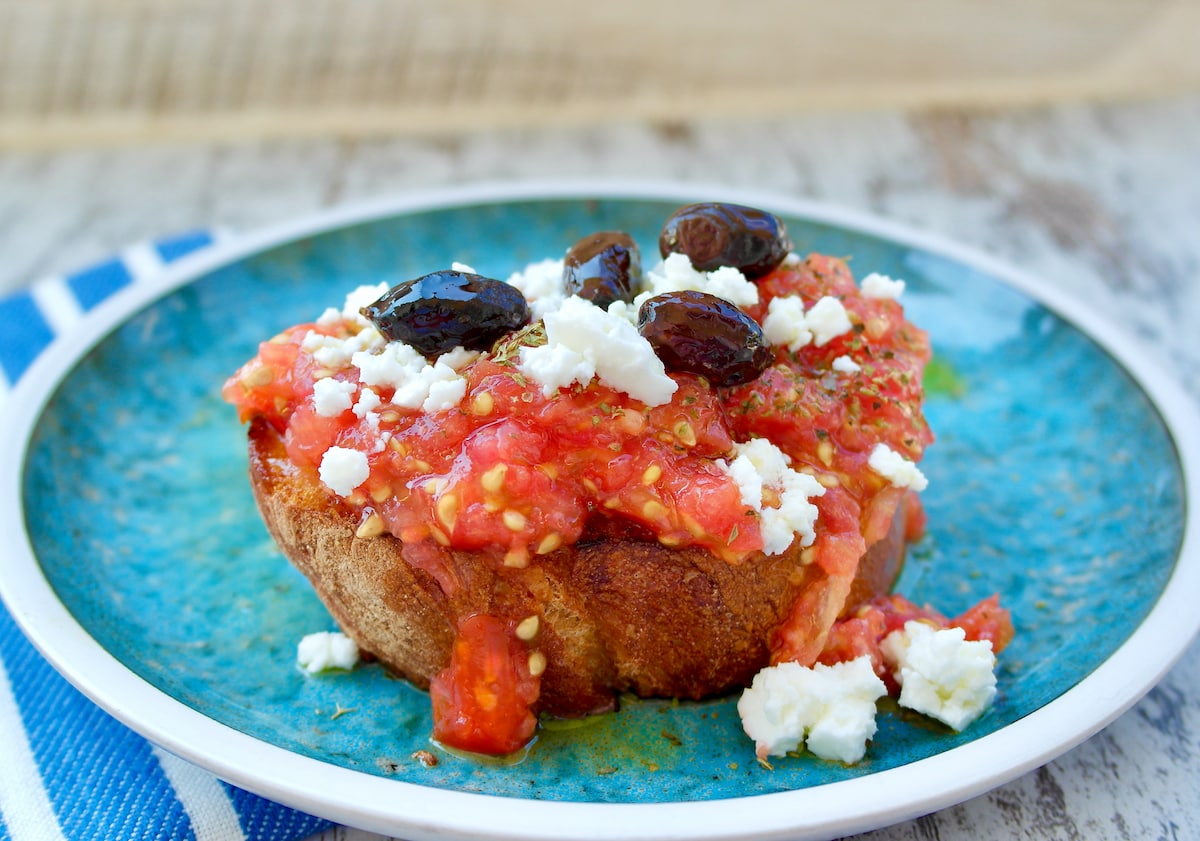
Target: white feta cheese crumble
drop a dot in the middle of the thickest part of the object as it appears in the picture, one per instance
(368, 402)
(393, 365)
(600, 342)
(438, 387)
(343, 469)
(542, 285)
(624, 310)
(788, 323)
(326, 650)
(785, 323)
(676, 274)
(417, 384)
(729, 283)
(332, 397)
(829, 709)
(877, 285)
(845, 365)
(362, 296)
(758, 465)
(897, 469)
(335, 352)
(459, 358)
(555, 366)
(381, 438)
(941, 673)
(827, 320)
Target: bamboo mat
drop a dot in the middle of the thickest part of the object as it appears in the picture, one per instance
(114, 71)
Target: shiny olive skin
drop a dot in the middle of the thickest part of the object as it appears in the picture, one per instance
(444, 310)
(712, 235)
(706, 335)
(603, 267)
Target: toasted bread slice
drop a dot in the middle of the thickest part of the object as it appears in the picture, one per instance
(617, 613)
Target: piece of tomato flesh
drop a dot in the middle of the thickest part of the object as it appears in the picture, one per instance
(482, 701)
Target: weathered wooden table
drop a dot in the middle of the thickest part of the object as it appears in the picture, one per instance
(1102, 201)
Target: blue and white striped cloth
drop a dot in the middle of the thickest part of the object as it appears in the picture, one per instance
(67, 769)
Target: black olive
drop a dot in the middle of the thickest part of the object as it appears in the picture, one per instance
(703, 334)
(714, 235)
(603, 268)
(447, 309)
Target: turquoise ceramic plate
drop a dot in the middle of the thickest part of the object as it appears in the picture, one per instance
(1059, 480)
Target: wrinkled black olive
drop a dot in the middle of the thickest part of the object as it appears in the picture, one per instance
(703, 334)
(714, 235)
(447, 309)
(603, 268)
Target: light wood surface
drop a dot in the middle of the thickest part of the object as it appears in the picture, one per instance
(118, 71)
(1099, 200)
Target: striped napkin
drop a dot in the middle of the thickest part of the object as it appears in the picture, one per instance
(67, 769)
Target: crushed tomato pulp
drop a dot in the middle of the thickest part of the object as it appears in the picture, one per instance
(513, 473)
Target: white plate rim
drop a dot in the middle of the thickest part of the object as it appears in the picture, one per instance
(419, 812)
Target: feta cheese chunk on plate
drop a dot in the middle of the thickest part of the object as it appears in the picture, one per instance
(828, 709)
